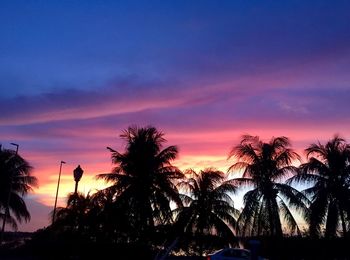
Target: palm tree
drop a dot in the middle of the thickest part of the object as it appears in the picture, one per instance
(66, 217)
(107, 219)
(208, 209)
(142, 180)
(328, 171)
(15, 182)
(264, 165)
(89, 216)
(75, 215)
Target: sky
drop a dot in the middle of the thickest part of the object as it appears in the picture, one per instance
(75, 74)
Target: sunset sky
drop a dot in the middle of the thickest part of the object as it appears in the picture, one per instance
(74, 74)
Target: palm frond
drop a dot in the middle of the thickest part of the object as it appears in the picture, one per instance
(303, 177)
(289, 219)
(168, 154)
(19, 208)
(242, 182)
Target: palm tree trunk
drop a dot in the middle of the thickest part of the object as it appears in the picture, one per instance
(277, 221)
(342, 218)
(271, 221)
(201, 243)
(257, 221)
(274, 219)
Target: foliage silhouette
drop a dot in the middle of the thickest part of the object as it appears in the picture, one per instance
(143, 208)
(142, 181)
(74, 216)
(208, 209)
(328, 170)
(264, 165)
(15, 178)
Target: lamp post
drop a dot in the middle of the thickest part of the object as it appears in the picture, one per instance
(77, 173)
(58, 185)
(7, 210)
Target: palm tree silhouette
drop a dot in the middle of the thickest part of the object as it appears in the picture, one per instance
(328, 169)
(263, 165)
(16, 180)
(74, 216)
(107, 219)
(142, 180)
(208, 209)
(92, 216)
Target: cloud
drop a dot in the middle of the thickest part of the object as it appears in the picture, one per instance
(74, 104)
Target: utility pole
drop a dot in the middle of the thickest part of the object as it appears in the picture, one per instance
(58, 186)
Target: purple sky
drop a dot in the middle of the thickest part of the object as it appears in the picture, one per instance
(74, 74)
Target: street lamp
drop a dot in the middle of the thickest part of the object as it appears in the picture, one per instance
(58, 185)
(8, 197)
(17, 145)
(78, 173)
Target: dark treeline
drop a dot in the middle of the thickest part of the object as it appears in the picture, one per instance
(151, 208)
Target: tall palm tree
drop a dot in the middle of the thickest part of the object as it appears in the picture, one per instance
(15, 182)
(264, 165)
(208, 209)
(142, 180)
(328, 171)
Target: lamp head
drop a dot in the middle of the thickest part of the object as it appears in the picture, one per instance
(17, 145)
(78, 173)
